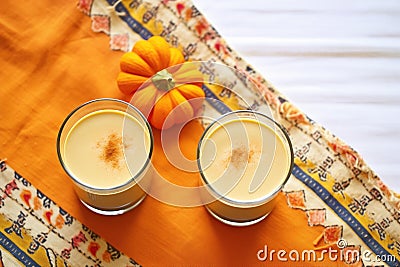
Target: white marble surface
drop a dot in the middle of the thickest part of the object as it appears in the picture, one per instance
(337, 60)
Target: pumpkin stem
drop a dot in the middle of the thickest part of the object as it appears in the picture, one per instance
(163, 80)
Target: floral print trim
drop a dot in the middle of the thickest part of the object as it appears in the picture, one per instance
(28, 214)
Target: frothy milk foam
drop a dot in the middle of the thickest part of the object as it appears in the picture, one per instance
(241, 152)
(98, 145)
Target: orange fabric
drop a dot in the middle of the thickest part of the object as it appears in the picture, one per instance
(51, 62)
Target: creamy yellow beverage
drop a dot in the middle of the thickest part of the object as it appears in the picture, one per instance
(97, 146)
(107, 153)
(244, 163)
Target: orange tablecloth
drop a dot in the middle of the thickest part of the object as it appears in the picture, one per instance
(51, 61)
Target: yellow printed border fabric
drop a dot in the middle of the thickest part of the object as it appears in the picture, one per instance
(35, 231)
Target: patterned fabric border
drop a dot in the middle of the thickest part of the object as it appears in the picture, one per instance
(35, 231)
(384, 245)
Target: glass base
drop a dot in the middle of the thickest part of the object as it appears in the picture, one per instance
(236, 223)
(118, 211)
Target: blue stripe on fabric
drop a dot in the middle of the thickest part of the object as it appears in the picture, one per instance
(19, 254)
(135, 25)
(214, 101)
(343, 213)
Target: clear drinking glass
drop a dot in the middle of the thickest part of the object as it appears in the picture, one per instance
(244, 159)
(105, 146)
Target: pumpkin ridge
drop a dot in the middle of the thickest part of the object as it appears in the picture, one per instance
(162, 48)
(148, 53)
(161, 110)
(176, 57)
(134, 64)
(190, 91)
(129, 83)
(183, 110)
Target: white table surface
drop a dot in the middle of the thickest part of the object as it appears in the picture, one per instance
(337, 60)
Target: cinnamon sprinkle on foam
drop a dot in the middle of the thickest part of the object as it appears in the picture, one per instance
(111, 150)
(240, 156)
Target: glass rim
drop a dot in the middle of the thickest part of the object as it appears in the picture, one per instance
(258, 201)
(134, 177)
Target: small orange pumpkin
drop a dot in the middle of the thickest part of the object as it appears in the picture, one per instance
(157, 88)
